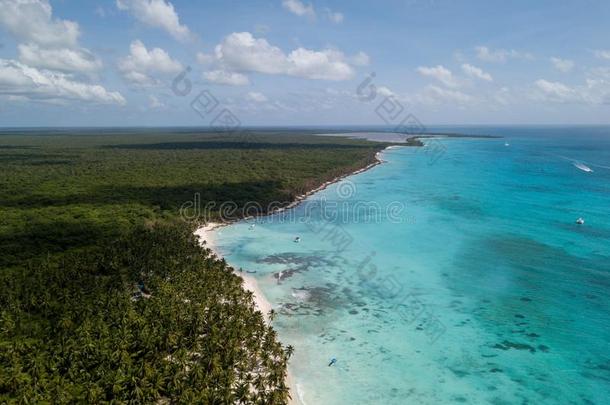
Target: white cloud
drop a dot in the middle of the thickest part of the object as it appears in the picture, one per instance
(594, 91)
(438, 95)
(241, 52)
(433, 95)
(602, 54)
(476, 72)
(204, 58)
(439, 73)
(322, 65)
(500, 55)
(361, 59)
(555, 91)
(299, 8)
(154, 103)
(47, 42)
(256, 97)
(563, 65)
(17, 79)
(334, 16)
(32, 21)
(385, 92)
(64, 59)
(47, 45)
(141, 65)
(597, 86)
(157, 13)
(224, 77)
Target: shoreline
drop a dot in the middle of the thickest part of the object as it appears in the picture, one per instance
(207, 228)
(206, 234)
(301, 197)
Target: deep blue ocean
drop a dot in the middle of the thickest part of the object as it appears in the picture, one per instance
(453, 273)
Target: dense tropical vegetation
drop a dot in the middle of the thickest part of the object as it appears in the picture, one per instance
(105, 293)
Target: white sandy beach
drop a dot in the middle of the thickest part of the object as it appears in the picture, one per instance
(207, 233)
(300, 198)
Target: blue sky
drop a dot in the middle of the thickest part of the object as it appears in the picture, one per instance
(294, 62)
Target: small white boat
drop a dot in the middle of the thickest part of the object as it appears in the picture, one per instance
(582, 167)
(297, 239)
(580, 221)
(506, 144)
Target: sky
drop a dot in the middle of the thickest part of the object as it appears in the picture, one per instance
(294, 62)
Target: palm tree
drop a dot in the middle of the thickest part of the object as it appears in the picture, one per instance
(289, 351)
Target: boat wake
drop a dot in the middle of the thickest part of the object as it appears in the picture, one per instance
(582, 167)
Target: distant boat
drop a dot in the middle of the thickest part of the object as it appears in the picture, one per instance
(332, 361)
(580, 221)
(297, 239)
(252, 227)
(506, 144)
(582, 167)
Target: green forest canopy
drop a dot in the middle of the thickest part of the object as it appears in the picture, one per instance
(106, 295)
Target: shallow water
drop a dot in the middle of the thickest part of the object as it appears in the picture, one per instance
(469, 281)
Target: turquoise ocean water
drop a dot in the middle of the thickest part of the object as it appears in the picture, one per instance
(450, 274)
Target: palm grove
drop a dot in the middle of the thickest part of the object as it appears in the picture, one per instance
(106, 294)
